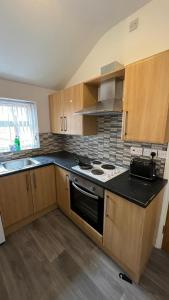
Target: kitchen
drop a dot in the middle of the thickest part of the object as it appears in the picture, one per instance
(84, 167)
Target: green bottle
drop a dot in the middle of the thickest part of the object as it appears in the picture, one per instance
(17, 143)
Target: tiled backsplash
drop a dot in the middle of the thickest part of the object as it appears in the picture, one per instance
(107, 144)
(48, 143)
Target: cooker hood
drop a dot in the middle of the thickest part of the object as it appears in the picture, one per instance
(110, 93)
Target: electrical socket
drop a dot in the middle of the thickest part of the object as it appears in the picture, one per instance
(147, 151)
(136, 151)
(162, 154)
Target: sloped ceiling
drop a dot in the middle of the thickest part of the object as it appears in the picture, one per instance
(43, 42)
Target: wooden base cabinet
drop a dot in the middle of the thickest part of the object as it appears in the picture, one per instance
(63, 190)
(43, 187)
(130, 232)
(15, 198)
(25, 195)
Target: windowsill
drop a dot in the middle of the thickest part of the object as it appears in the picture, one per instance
(6, 153)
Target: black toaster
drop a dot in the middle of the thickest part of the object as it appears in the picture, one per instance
(143, 168)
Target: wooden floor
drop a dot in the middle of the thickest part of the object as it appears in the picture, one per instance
(52, 259)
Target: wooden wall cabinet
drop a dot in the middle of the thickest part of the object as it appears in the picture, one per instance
(56, 112)
(43, 187)
(25, 194)
(63, 191)
(15, 198)
(146, 100)
(130, 232)
(65, 103)
(67, 100)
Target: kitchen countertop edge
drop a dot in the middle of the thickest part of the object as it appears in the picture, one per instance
(66, 161)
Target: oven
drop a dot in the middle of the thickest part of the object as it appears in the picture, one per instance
(87, 201)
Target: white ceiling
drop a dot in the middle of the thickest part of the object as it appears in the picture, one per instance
(43, 42)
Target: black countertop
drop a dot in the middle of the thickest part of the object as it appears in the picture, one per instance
(135, 190)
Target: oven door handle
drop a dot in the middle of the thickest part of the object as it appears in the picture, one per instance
(84, 192)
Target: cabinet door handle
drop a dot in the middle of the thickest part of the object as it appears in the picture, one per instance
(107, 201)
(67, 182)
(27, 182)
(61, 123)
(65, 123)
(112, 214)
(124, 124)
(34, 180)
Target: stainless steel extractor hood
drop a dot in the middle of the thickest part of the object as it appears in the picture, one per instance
(110, 94)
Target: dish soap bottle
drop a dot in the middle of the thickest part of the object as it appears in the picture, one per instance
(17, 143)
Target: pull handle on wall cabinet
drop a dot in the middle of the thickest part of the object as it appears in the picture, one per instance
(124, 124)
(61, 123)
(125, 105)
(65, 123)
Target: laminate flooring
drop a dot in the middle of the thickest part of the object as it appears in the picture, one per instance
(52, 259)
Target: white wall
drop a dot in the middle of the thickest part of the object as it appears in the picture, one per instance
(118, 44)
(16, 90)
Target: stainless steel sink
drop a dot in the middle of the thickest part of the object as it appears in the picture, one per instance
(18, 164)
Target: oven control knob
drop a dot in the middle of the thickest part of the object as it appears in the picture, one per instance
(76, 180)
(93, 189)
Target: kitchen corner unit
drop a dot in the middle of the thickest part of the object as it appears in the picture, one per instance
(123, 215)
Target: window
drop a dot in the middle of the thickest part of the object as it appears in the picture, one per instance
(18, 118)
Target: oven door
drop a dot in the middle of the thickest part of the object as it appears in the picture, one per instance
(88, 206)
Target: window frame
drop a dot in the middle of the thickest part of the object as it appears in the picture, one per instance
(35, 116)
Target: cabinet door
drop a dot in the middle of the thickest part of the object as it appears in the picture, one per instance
(77, 104)
(15, 198)
(43, 187)
(122, 230)
(63, 191)
(67, 108)
(165, 245)
(56, 113)
(146, 99)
